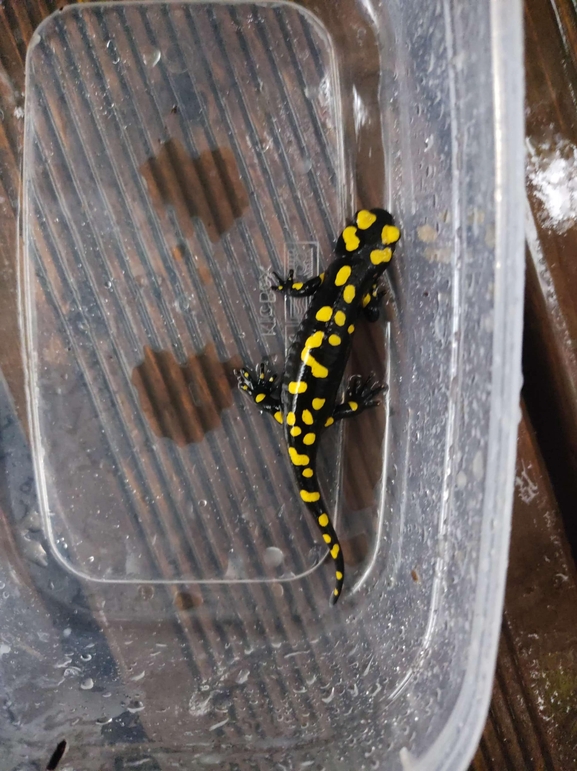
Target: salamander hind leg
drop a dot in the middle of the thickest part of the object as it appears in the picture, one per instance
(262, 386)
(359, 396)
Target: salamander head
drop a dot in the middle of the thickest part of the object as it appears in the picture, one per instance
(373, 236)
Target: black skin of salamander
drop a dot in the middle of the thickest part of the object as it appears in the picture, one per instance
(310, 403)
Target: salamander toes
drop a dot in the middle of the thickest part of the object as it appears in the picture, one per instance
(258, 384)
(364, 393)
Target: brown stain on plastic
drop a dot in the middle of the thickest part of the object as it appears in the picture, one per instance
(184, 402)
(206, 186)
(188, 600)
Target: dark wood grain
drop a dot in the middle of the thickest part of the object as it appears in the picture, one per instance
(550, 346)
(532, 721)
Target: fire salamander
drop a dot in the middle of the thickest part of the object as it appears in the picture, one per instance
(304, 399)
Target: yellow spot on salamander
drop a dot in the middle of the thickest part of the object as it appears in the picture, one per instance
(335, 551)
(343, 275)
(390, 234)
(315, 340)
(349, 293)
(322, 277)
(259, 398)
(329, 422)
(297, 387)
(354, 406)
(318, 370)
(308, 472)
(309, 438)
(310, 497)
(350, 238)
(381, 255)
(318, 404)
(336, 592)
(339, 575)
(295, 431)
(324, 313)
(297, 285)
(340, 318)
(366, 300)
(351, 329)
(296, 459)
(308, 417)
(323, 520)
(327, 537)
(278, 416)
(334, 340)
(365, 219)
(291, 418)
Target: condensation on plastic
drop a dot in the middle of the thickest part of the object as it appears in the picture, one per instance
(176, 154)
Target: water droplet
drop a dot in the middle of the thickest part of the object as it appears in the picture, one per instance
(273, 557)
(243, 676)
(103, 720)
(86, 656)
(86, 685)
(151, 58)
(146, 592)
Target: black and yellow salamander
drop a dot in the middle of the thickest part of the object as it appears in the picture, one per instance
(304, 400)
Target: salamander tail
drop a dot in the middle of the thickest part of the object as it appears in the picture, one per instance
(319, 511)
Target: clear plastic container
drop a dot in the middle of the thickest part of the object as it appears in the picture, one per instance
(175, 155)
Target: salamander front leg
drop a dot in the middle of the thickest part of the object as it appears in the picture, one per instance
(359, 396)
(294, 288)
(262, 386)
(372, 301)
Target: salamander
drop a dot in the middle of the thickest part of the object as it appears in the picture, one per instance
(304, 399)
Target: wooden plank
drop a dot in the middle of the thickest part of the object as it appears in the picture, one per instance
(533, 717)
(550, 348)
